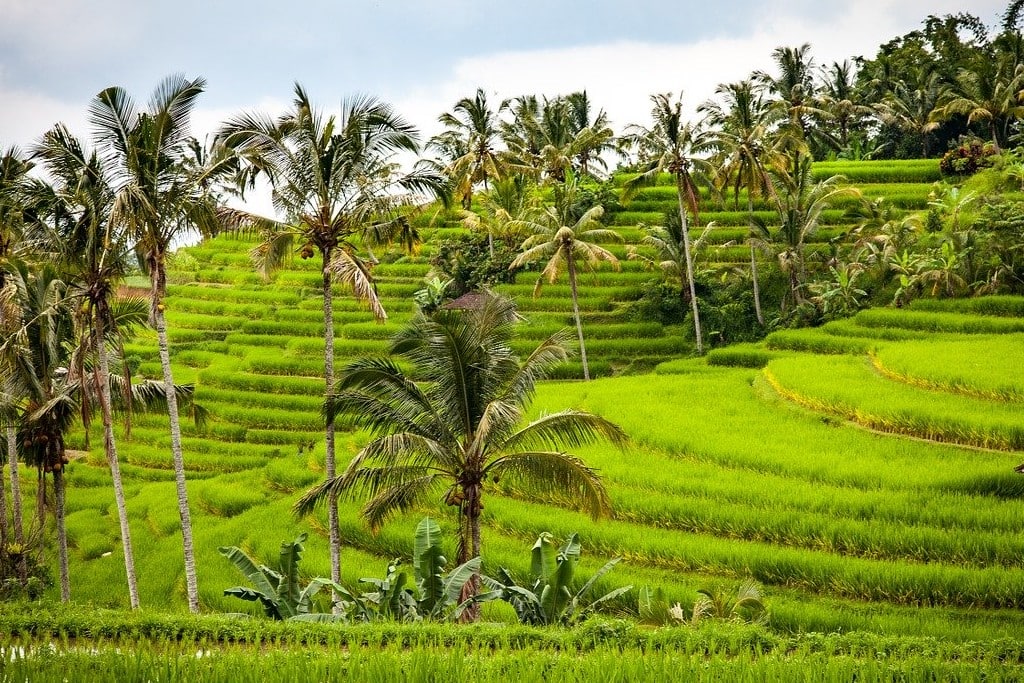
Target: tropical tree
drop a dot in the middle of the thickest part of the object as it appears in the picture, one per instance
(800, 202)
(336, 189)
(563, 238)
(909, 105)
(842, 101)
(794, 88)
(14, 203)
(457, 428)
(44, 371)
(672, 146)
(469, 145)
(36, 362)
(159, 199)
(547, 139)
(94, 256)
(742, 127)
(990, 93)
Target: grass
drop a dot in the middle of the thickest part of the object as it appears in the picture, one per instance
(878, 536)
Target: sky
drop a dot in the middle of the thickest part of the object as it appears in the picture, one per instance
(421, 56)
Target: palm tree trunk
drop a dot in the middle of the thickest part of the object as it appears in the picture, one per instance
(4, 524)
(333, 525)
(12, 459)
(470, 548)
(110, 446)
(689, 265)
(191, 586)
(576, 315)
(62, 533)
(753, 264)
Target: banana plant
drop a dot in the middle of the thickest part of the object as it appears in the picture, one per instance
(431, 595)
(279, 592)
(549, 598)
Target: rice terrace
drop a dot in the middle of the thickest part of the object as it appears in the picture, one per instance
(739, 397)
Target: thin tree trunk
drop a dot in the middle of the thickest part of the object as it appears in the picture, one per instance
(110, 447)
(62, 534)
(330, 465)
(753, 263)
(12, 459)
(689, 266)
(4, 523)
(191, 585)
(471, 508)
(576, 316)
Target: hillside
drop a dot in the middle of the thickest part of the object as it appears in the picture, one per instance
(763, 461)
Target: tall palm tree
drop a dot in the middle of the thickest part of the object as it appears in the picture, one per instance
(159, 199)
(458, 426)
(794, 87)
(36, 361)
(94, 255)
(562, 238)
(842, 101)
(334, 183)
(44, 370)
(988, 93)
(673, 146)
(742, 127)
(547, 139)
(469, 141)
(14, 203)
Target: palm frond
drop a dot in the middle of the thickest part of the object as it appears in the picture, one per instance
(554, 475)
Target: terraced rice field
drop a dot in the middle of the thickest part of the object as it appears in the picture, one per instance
(862, 472)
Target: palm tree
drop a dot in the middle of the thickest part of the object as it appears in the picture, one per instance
(563, 238)
(159, 199)
(471, 132)
(794, 87)
(909, 106)
(741, 129)
(44, 370)
(547, 139)
(457, 427)
(94, 255)
(14, 203)
(990, 93)
(800, 202)
(673, 146)
(36, 361)
(842, 101)
(335, 186)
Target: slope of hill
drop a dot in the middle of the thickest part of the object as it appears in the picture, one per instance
(754, 463)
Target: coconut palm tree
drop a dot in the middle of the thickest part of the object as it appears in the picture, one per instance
(842, 101)
(457, 427)
(94, 255)
(44, 371)
(563, 239)
(800, 202)
(673, 146)
(469, 144)
(989, 93)
(547, 139)
(15, 202)
(335, 186)
(794, 87)
(909, 105)
(36, 359)
(159, 199)
(741, 132)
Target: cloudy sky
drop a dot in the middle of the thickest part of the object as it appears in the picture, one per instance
(420, 55)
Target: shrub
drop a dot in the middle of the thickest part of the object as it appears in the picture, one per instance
(967, 158)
